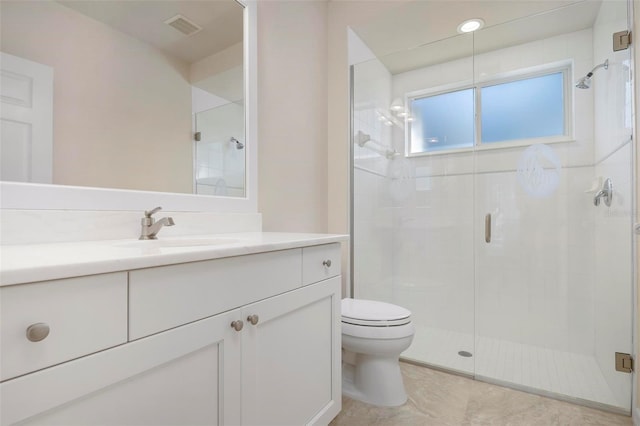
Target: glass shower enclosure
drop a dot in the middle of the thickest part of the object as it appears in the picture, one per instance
(494, 198)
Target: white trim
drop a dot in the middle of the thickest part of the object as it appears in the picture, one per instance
(488, 146)
(16, 195)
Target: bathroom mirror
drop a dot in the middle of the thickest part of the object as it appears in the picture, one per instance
(146, 96)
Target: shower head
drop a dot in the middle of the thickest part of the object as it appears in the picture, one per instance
(239, 145)
(585, 82)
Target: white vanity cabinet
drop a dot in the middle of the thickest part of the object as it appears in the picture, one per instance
(290, 366)
(184, 376)
(238, 340)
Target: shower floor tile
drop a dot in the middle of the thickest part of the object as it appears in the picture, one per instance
(557, 373)
(441, 399)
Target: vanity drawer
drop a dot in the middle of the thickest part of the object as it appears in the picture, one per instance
(83, 315)
(169, 296)
(320, 262)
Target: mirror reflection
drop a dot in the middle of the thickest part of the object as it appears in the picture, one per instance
(142, 95)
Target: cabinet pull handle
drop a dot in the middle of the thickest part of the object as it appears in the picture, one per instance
(327, 263)
(37, 332)
(237, 325)
(253, 319)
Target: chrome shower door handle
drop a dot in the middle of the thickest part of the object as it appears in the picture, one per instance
(487, 228)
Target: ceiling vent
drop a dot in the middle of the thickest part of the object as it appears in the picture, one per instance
(183, 24)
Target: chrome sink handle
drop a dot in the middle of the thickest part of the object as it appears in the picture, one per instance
(148, 213)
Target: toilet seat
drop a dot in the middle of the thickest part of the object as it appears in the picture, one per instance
(371, 313)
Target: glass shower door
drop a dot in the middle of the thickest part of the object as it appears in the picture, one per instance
(413, 228)
(553, 261)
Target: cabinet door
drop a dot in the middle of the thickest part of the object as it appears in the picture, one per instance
(188, 375)
(291, 357)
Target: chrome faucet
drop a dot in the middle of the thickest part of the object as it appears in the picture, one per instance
(150, 227)
(605, 193)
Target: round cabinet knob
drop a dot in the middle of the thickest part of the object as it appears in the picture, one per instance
(237, 325)
(37, 332)
(327, 263)
(253, 319)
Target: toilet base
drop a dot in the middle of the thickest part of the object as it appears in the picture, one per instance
(374, 380)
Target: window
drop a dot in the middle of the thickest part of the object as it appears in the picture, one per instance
(443, 121)
(518, 110)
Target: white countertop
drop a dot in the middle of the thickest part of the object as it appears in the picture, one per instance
(40, 262)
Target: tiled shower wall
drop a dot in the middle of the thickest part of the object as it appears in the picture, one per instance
(219, 164)
(372, 217)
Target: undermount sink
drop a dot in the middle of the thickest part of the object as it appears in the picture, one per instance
(177, 242)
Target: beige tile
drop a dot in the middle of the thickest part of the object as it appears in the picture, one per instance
(494, 405)
(442, 399)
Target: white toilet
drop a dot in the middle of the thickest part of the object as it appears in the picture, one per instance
(376, 333)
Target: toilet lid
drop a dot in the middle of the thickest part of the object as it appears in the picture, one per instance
(373, 313)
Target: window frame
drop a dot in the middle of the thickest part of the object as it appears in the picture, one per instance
(564, 67)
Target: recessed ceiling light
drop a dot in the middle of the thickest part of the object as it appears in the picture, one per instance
(470, 25)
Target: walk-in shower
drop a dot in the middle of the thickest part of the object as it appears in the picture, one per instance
(477, 164)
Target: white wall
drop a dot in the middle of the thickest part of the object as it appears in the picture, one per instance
(292, 111)
(221, 73)
(117, 101)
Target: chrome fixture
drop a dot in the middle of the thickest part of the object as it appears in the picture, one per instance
(150, 227)
(253, 319)
(585, 82)
(487, 228)
(606, 192)
(239, 145)
(237, 325)
(364, 140)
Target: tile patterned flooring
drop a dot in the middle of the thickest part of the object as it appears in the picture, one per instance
(442, 399)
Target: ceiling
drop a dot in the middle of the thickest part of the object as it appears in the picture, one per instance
(221, 20)
(419, 33)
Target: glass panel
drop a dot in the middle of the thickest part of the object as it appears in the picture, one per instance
(523, 109)
(412, 222)
(553, 285)
(444, 121)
